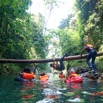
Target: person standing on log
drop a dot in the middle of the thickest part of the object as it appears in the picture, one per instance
(91, 55)
(59, 66)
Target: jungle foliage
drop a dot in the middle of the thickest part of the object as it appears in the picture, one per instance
(22, 34)
(84, 25)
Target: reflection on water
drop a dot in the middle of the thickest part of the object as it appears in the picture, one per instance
(53, 91)
(26, 90)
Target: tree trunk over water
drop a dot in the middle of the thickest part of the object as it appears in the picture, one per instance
(45, 60)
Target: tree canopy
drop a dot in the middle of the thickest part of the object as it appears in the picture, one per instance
(22, 34)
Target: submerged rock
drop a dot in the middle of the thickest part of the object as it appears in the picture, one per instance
(46, 101)
(76, 100)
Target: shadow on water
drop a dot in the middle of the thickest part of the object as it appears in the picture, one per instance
(53, 91)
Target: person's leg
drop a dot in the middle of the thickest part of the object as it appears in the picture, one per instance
(93, 60)
(62, 67)
(88, 60)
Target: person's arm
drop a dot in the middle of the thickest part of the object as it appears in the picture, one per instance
(54, 64)
(82, 52)
(20, 74)
(67, 74)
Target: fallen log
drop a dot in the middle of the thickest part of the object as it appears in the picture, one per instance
(76, 57)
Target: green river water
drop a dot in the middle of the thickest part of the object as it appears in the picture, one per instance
(34, 92)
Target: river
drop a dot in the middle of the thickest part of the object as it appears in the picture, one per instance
(37, 92)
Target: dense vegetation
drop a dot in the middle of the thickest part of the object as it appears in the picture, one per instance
(23, 36)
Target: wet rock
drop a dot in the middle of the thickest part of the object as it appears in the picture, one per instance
(80, 70)
(100, 79)
(92, 76)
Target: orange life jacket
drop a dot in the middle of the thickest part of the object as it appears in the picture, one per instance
(28, 75)
(89, 45)
(43, 78)
(73, 75)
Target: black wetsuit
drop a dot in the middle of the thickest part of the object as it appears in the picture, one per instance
(61, 66)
